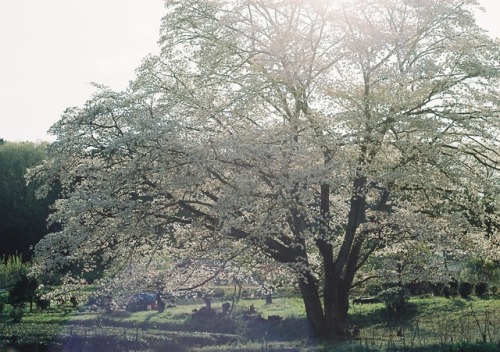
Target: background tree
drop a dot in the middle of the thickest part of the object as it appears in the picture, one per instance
(12, 269)
(22, 216)
(309, 134)
(24, 290)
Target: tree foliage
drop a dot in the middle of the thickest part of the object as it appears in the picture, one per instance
(23, 290)
(22, 216)
(11, 271)
(308, 135)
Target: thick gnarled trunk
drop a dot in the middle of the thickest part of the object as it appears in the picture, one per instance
(327, 319)
(312, 303)
(336, 306)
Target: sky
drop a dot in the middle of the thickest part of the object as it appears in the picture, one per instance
(51, 51)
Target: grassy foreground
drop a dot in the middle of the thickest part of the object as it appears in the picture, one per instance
(428, 324)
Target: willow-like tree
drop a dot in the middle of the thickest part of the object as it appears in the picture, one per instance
(310, 134)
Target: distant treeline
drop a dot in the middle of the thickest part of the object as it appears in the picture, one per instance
(22, 215)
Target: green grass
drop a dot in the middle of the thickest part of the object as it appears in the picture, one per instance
(178, 315)
(427, 324)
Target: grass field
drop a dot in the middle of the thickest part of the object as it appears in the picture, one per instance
(428, 324)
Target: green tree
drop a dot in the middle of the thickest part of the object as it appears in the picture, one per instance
(23, 290)
(22, 216)
(12, 269)
(308, 135)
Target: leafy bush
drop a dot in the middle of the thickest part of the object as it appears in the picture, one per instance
(373, 289)
(450, 289)
(246, 293)
(74, 301)
(437, 289)
(395, 298)
(42, 303)
(23, 291)
(481, 288)
(446, 291)
(218, 292)
(100, 301)
(16, 314)
(479, 269)
(11, 270)
(421, 288)
(465, 289)
(204, 312)
(208, 319)
(453, 287)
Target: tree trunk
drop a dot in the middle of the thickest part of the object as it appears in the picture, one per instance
(269, 298)
(329, 324)
(339, 276)
(208, 302)
(340, 306)
(312, 303)
(336, 303)
(328, 320)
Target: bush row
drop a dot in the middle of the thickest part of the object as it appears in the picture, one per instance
(452, 288)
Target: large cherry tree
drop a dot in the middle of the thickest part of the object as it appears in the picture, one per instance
(308, 134)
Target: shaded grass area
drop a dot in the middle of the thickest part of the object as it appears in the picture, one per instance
(431, 324)
(174, 327)
(428, 324)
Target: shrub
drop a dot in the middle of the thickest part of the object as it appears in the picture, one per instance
(226, 307)
(23, 291)
(246, 294)
(11, 270)
(208, 319)
(373, 289)
(437, 289)
(100, 301)
(204, 312)
(218, 292)
(16, 314)
(465, 289)
(42, 303)
(395, 298)
(2, 306)
(73, 300)
(446, 291)
(420, 288)
(453, 287)
(481, 288)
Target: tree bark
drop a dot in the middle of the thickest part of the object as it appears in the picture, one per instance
(339, 307)
(312, 303)
(330, 323)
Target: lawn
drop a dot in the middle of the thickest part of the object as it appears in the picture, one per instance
(427, 324)
(435, 321)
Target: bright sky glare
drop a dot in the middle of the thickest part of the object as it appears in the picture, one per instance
(51, 50)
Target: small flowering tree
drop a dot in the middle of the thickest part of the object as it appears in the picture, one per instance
(305, 134)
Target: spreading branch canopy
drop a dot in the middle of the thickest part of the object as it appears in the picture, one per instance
(309, 134)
